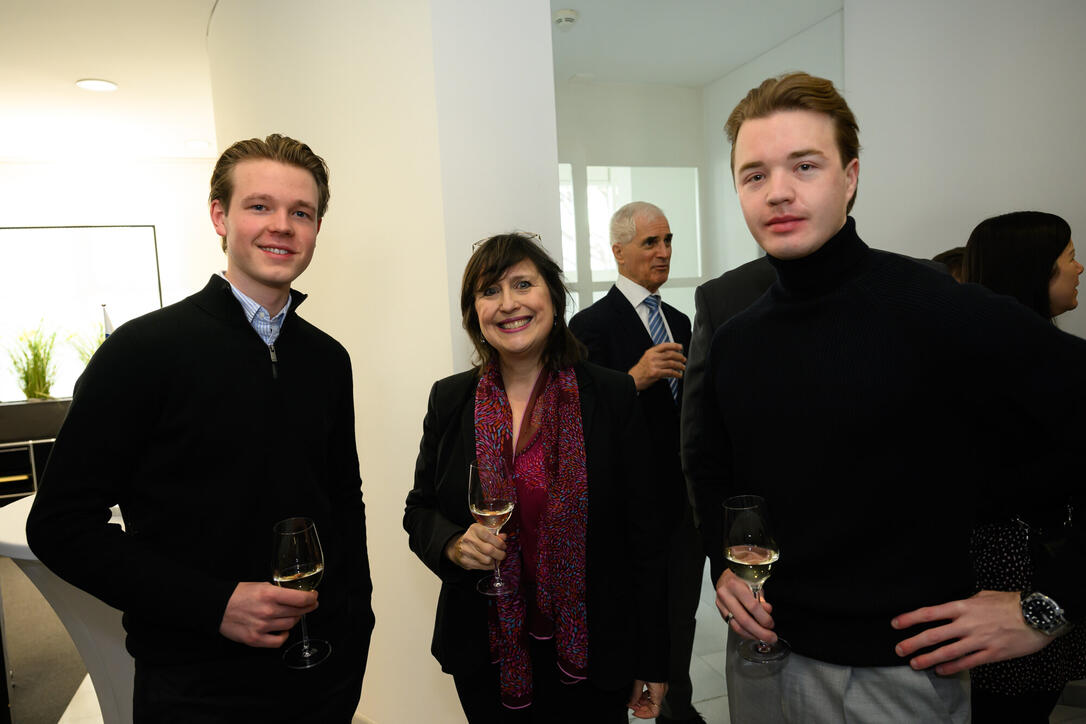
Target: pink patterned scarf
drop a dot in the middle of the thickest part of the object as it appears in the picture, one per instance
(555, 411)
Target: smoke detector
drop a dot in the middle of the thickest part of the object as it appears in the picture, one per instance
(565, 19)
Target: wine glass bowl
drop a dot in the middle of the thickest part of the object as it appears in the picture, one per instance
(751, 550)
(491, 506)
(298, 563)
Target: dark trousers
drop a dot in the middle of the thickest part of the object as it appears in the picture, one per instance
(685, 567)
(552, 701)
(1030, 708)
(260, 689)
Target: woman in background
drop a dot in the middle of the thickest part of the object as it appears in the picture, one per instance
(1028, 255)
(953, 259)
(586, 626)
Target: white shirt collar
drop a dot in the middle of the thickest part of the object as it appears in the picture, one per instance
(631, 290)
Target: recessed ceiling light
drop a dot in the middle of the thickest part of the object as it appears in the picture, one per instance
(96, 84)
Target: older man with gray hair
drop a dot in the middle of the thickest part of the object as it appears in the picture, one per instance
(633, 331)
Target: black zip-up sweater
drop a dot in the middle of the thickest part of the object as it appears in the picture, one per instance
(878, 404)
(182, 418)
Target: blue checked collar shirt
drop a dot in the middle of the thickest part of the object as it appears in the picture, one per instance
(262, 321)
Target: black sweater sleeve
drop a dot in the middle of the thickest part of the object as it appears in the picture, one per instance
(115, 406)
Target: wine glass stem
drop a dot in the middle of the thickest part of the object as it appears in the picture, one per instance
(761, 646)
(497, 566)
(306, 651)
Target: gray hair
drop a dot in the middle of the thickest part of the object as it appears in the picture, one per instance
(623, 222)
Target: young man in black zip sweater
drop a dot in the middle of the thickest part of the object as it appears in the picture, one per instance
(823, 397)
(207, 422)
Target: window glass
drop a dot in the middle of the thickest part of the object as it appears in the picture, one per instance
(115, 267)
(569, 222)
(674, 190)
(680, 297)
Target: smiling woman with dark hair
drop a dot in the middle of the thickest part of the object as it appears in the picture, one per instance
(582, 636)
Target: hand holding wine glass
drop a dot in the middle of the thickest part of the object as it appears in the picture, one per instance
(261, 614)
(491, 508)
(751, 550)
(298, 563)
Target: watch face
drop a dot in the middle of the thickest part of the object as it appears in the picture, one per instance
(1042, 613)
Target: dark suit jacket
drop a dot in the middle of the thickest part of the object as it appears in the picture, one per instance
(625, 545)
(616, 337)
(715, 302)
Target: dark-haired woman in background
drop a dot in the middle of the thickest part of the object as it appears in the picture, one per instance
(1028, 255)
(583, 548)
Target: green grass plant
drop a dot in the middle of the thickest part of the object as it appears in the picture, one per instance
(86, 346)
(33, 362)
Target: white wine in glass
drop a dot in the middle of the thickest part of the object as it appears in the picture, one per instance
(751, 551)
(491, 512)
(298, 563)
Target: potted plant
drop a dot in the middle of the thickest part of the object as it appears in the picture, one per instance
(33, 362)
(85, 346)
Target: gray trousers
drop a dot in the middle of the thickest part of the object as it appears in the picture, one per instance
(804, 690)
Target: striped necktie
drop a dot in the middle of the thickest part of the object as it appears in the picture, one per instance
(659, 336)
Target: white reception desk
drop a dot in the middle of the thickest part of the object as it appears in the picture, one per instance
(95, 628)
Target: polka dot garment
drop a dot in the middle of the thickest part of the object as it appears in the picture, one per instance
(1002, 563)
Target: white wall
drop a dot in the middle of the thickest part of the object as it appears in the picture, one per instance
(433, 141)
(966, 110)
(169, 193)
(494, 81)
(625, 124)
(818, 51)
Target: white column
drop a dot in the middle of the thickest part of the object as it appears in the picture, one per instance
(437, 122)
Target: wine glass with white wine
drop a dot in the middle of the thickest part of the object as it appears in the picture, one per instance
(298, 563)
(751, 550)
(491, 506)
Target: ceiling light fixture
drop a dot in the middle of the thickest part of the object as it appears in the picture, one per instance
(96, 84)
(564, 20)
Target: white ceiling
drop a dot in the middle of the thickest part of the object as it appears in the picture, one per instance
(156, 51)
(676, 42)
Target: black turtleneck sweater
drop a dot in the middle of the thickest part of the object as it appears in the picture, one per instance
(878, 406)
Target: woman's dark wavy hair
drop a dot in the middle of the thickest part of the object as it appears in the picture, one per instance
(1016, 254)
(491, 259)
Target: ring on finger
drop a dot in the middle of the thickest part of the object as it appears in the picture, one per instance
(728, 617)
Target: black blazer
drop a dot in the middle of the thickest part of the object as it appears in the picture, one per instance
(625, 554)
(715, 302)
(616, 337)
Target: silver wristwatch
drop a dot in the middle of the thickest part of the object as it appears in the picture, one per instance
(1043, 614)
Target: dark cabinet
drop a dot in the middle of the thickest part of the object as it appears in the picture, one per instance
(27, 431)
